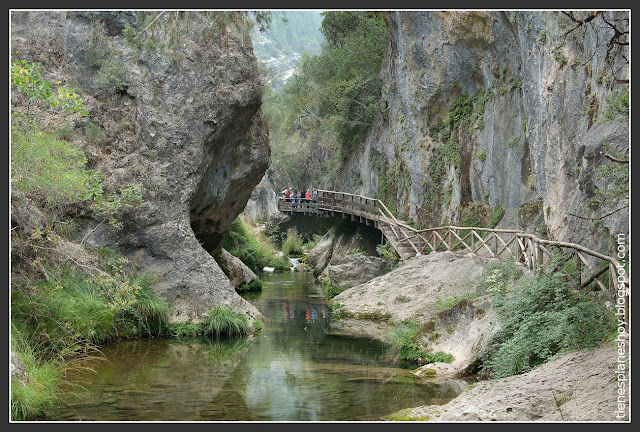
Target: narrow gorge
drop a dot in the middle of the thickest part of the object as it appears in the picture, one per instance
(150, 155)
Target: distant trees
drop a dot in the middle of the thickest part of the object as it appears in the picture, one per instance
(325, 111)
(290, 33)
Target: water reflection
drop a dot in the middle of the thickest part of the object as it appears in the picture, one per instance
(151, 380)
(293, 370)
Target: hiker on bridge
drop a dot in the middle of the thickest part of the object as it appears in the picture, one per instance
(287, 194)
(307, 196)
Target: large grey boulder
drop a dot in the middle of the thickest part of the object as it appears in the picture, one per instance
(318, 258)
(414, 288)
(237, 271)
(348, 270)
(263, 203)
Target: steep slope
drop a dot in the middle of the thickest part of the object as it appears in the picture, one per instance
(174, 101)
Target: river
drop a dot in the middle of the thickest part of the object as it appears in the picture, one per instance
(294, 369)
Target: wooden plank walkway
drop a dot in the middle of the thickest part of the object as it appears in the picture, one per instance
(535, 253)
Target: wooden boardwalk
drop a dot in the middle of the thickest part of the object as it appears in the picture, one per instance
(535, 253)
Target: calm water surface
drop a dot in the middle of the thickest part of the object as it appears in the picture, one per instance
(295, 369)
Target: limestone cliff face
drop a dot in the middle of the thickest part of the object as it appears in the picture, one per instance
(488, 108)
(174, 106)
(263, 203)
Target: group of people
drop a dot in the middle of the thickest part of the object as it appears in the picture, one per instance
(291, 195)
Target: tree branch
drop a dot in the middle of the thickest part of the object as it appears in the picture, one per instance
(614, 159)
(154, 20)
(598, 218)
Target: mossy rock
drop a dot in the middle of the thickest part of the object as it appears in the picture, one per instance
(403, 415)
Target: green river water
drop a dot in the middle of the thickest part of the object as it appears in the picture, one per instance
(294, 369)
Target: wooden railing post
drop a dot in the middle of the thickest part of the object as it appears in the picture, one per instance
(578, 266)
(334, 202)
(612, 281)
(473, 240)
(539, 258)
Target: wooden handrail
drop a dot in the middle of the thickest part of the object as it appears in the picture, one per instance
(528, 248)
(390, 219)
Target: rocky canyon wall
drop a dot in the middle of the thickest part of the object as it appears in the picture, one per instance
(484, 109)
(174, 101)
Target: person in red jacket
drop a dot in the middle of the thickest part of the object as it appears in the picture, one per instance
(287, 195)
(307, 195)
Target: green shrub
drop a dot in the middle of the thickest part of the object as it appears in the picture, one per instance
(309, 245)
(292, 245)
(66, 131)
(389, 254)
(496, 215)
(149, 312)
(404, 336)
(280, 264)
(112, 76)
(27, 80)
(560, 57)
(448, 303)
(331, 289)
(184, 330)
(616, 106)
(438, 356)
(254, 285)
(255, 252)
(482, 155)
(542, 317)
(498, 278)
(411, 351)
(224, 320)
(51, 172)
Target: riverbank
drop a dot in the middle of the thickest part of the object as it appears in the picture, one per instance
(581, 386)
(433, 290)
(493, 314)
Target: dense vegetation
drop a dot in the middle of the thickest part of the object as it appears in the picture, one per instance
(253, 249)
(322, 114)
(66, 298)
(407, 338)
(542, 316)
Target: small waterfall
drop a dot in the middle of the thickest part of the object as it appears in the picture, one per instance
(295, 262)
